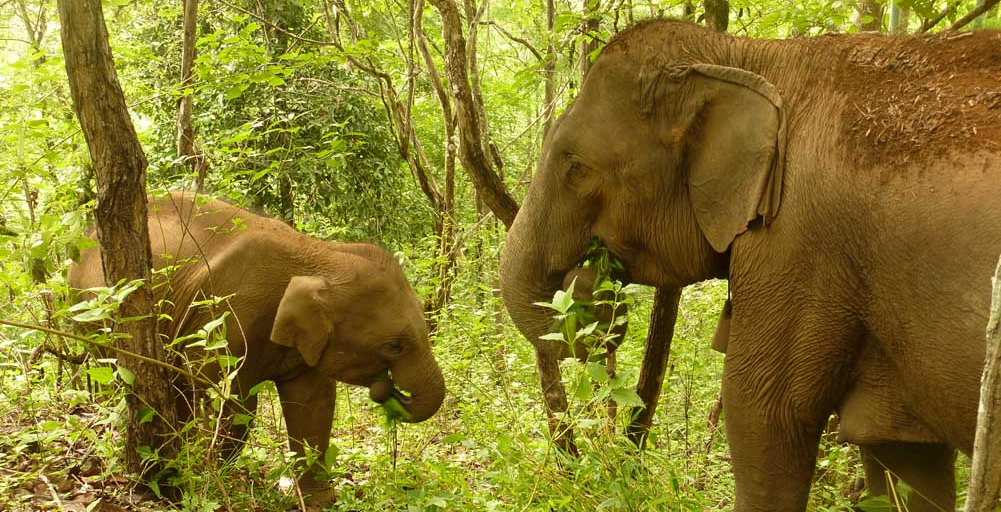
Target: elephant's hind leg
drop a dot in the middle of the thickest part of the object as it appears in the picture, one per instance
(928, 468)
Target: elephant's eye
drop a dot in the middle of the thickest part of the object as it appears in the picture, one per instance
(574, 170)
(394, 347)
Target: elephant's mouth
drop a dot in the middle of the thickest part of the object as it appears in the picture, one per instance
(383, 388)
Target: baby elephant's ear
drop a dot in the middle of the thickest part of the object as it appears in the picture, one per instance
(304, 320)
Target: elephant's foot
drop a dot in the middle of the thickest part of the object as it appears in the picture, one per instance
(316, 492)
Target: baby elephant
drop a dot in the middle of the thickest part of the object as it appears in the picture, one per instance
(301, 312)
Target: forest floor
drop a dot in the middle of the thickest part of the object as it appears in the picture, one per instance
(486, 449)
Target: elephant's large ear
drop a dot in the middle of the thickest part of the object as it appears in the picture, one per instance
(734, 151)
(303, 320)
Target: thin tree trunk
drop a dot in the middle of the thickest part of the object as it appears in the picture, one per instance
(985, 476)
(899, 19)
(590, 25)
(874, 11)
(476, 162)
(549, 70)
(717, 14)
(187, 151)
(35, 29)
(663, 319)
(446, 245)
(120, 172)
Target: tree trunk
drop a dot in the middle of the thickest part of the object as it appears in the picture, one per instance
(590, 25)
(477, 163)
(899, 19)
(985, 476)
(549, 70)
(870, 16)
(717, 14)
(446, 204)
(120, 172)
(663, 319)
(187, 151)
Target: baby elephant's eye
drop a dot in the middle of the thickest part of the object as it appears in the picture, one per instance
(394, 347)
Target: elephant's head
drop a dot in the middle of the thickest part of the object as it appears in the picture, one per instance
(666, 163)
(358, 320)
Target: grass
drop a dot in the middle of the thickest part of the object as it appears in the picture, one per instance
(486, 449)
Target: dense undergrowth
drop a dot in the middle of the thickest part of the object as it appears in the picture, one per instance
(487, 448)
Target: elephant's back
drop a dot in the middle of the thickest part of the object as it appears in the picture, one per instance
(185, 226)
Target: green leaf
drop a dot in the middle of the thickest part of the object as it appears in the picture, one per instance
(875, 504)
(260, 387)
(93, 315)
(453, 438)
(146, 414)
(236, 91)
(553, 336)
(102, 374)
(127, 376)
(587, 330)
(49, 426)
(583, 390)
(597, 372)
(627, 397)
(394, 410)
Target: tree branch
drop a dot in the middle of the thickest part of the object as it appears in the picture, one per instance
(474, 159)
(113, 348)
(520, 40)
(972, 15)
(928, 24)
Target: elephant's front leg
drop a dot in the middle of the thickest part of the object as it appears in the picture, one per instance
(781, 380)
(772, 450)
(308, 407)
(555, 397)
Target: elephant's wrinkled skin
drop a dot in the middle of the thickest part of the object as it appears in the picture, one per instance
(858, 231)
(304, 313)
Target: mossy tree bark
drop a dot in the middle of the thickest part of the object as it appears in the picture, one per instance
(120, 172)
(985, 476)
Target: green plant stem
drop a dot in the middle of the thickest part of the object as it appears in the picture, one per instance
(113, 348)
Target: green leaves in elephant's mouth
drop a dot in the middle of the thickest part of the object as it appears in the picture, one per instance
(395, 411)
(600, 260)
(392, 400)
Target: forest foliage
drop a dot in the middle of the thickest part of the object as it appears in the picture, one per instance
(337, 118)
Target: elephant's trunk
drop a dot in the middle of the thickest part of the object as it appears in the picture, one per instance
(425, 384)
(533, 264)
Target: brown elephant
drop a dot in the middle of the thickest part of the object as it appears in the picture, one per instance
(303, 313)
(847, 187)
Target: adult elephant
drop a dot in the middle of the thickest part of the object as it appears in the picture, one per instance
(847, 186)
(301, 312)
